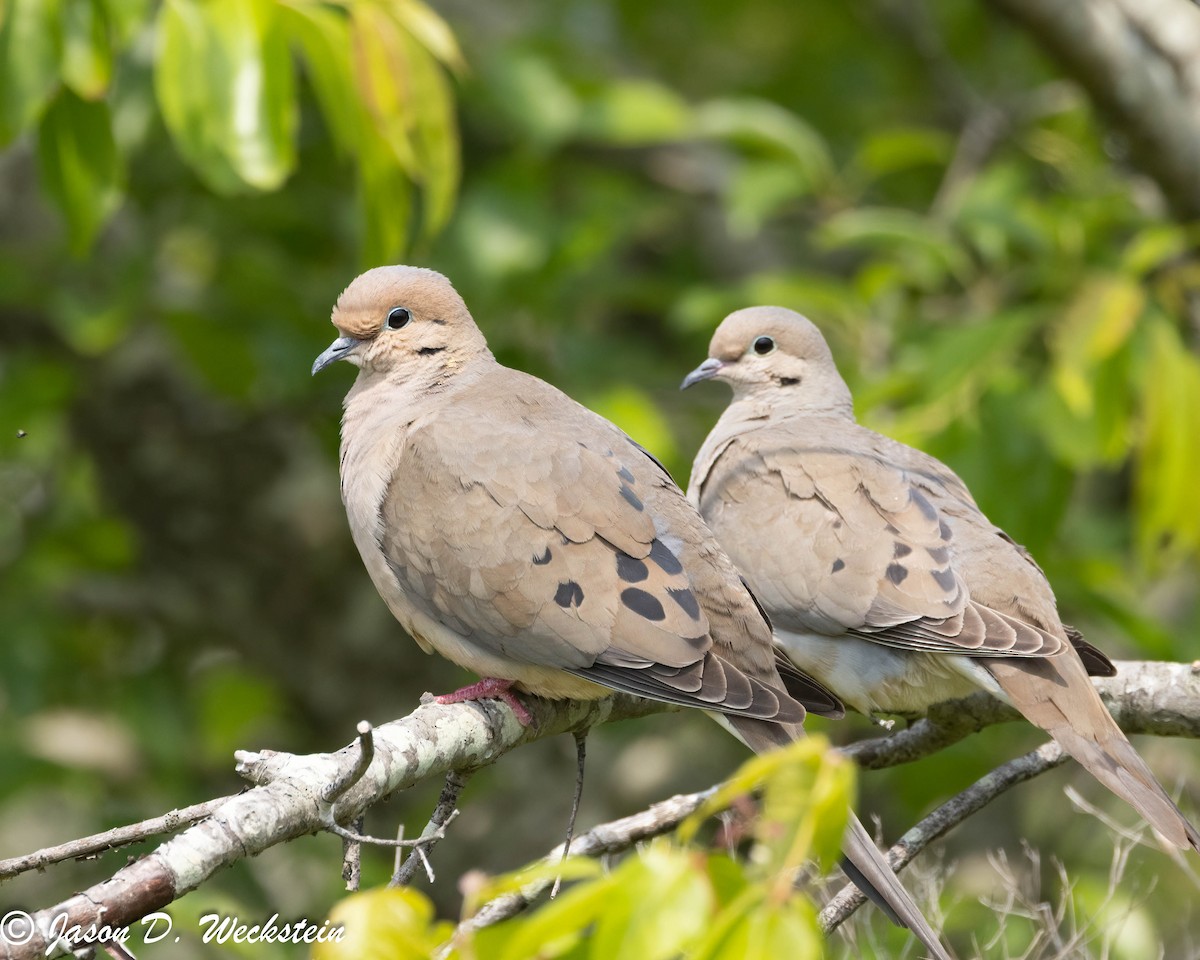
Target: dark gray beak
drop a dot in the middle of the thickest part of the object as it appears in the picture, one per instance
(706, 371)
(338, 350)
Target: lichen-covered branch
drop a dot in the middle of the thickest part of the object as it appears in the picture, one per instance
(287, 800)
(1138, 60)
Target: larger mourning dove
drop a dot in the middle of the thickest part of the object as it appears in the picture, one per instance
(883, 578)
(525, 538)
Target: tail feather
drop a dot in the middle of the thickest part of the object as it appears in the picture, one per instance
(1056, 695)
(862, 861)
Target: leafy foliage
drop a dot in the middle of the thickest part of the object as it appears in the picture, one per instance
(185, 187)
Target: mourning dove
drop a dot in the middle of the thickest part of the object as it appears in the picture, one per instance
(883, 578)
(523, 537)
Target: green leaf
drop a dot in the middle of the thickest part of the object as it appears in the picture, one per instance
(901, 148)
(79, 164)
(29, 39)
(924, 247)
(754, 928)
(637, 113)
(1169, 460)
(224, 80)
(660, 906)
(543, 871)
(86, 50)
(758, 189)
(1096, 324)
(322, 35)
(634, 412)
(555, 927)
(384, 924)
(432, 31)
(382, 69)
(435, 136)
(768, 128)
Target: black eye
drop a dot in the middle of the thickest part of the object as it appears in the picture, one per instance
(764, 345)
(398, 317)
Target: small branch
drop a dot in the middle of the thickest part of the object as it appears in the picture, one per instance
(1137, 59)
(287, 803)
(614, 837)
(951, 813)
(445, 811)
(109, 840)
(366, 752)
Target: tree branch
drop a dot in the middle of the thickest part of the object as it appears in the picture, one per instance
(287, 801)
(1138, 60)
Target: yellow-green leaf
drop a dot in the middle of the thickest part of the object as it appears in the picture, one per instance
(322, 35)
(86, 48)
(1169, 460)
(434, 136)
(384, 924)
(225, 83)
(382, 71)
(80, 166)
(432, 31)
(29, 38)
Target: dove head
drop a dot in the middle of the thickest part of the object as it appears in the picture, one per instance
(777, 355)
(403, 321)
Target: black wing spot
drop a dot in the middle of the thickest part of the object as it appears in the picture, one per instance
(944, 530)
(945, 579)
(625, 474)
(643, 604)
(544, 558)
(901, 550)
(896, 572)
(569, 594)
(938, 554)
(667, 562)
(632, 499)
(630, 569)
(891, 528)
(838, 564)
(923, 504)
(686, 600)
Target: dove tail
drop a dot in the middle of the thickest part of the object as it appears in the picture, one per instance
(862, 861)
(1056, 695)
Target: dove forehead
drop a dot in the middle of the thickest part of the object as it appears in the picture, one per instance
(362, 306)
(793, 333)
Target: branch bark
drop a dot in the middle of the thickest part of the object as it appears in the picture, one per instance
(1139, 60)
(287, 801)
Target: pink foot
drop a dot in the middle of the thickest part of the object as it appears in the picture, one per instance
(490, 688)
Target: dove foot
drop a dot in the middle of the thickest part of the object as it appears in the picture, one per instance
(490, 688)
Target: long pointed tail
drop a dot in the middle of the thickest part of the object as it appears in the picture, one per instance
(1056, 695)
(863, 862)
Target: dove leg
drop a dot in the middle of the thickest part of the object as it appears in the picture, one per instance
(490, 688)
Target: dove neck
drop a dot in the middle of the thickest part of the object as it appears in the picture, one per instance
(813, 396)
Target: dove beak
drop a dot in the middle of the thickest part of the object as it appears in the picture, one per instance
(340, 349)
(706, 371)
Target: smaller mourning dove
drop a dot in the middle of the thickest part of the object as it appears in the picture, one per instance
(883, 578)
(521, 536)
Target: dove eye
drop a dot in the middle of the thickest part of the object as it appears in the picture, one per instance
(764, 345)
(397, 317)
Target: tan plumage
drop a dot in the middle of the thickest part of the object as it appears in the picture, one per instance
(882, 577)
(522, 536)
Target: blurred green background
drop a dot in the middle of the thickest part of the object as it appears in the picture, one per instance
(184, 190)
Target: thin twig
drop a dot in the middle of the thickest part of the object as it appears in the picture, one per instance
(951, 813)
(351, 776)
(352, 859)
(109, 840)
(613, 837)
(445, 811)
(580, 762)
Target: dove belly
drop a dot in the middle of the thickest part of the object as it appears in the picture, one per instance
(873, 678)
